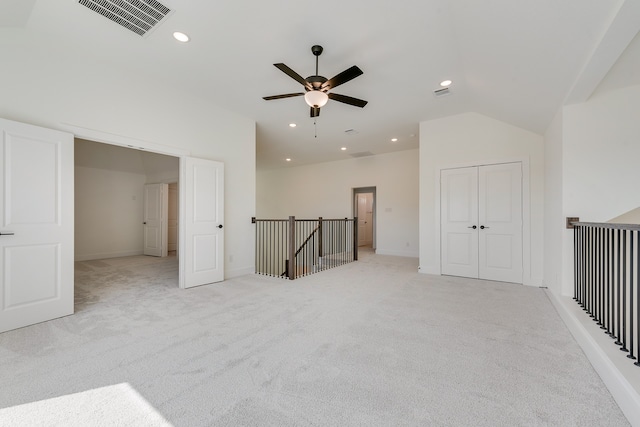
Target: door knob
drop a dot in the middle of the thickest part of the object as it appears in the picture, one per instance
(220, 226)
(145, 222)
(474, 227)
(482, 227)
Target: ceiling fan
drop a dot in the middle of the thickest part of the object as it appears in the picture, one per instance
(317, 87)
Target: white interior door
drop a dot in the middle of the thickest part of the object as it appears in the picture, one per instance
(500, 222)
(459, 222)
(481, 222)
(155, 225)
(36, 225)
(202, 259)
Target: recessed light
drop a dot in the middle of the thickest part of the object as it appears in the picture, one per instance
(394, 139)
(292, 125)
(288, 160)
(344, 148)
(181, 37)
(445, 83)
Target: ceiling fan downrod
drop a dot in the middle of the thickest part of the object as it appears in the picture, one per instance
(317, 51)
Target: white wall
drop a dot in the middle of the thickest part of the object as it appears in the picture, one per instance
(554, 222)
(600, 162)
(326, 190)
(109, 211)
(468, 139)
(59, 90)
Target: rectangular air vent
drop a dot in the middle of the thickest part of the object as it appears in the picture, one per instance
(139, 16)
(441, 92)
(362, 154)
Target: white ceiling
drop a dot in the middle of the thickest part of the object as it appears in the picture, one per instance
(512, 60)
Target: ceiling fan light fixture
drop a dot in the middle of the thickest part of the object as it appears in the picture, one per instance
(316, 98)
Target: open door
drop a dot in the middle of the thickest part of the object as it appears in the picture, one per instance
(36, 225)
(202, 236)
(155, 223)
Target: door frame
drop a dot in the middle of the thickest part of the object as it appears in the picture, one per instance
(526, 211)
(138, 144)
(354, 208)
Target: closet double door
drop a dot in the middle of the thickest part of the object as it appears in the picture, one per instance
(481, 222)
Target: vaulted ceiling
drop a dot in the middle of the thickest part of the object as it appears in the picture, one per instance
(515, 61)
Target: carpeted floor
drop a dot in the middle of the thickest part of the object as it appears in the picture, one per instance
(371, 343)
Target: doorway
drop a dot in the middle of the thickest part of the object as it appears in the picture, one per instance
(112, 202)
(364, 208)
(481, 222)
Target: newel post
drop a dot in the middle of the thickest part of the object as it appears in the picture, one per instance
(355, 238)
(292, 248)
(320, 253)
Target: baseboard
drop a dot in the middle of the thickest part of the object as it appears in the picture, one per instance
(408, 254)
(230, 274)
(618, 373)
(105, 255)
(429, 270)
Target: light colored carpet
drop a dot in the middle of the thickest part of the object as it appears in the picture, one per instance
(371, 343)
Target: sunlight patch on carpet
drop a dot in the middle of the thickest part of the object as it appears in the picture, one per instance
(118, 404)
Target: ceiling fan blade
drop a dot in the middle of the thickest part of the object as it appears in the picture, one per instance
(295, 76)
(343, 77)
(348, 100)
(315, 112)
(286, 95)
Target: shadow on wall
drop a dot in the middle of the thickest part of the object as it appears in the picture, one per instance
(631, 217)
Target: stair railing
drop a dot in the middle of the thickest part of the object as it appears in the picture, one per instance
(606, 268)
(298, 247)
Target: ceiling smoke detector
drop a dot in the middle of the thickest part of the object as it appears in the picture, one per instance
(138, 16)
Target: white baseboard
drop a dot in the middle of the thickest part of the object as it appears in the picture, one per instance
(618, 373)
(408, 254)
(230, 274)
(105, 255)
(429, 270)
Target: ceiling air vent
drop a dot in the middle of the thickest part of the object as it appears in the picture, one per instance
(362, 154)
(441, 92)
(139, 16)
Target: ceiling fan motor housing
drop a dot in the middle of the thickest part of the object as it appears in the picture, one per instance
(316, 82)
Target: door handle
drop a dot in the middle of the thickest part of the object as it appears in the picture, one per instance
(6, 233)
(482, 227)
(474, 227)
(219, 225)
(145, 223)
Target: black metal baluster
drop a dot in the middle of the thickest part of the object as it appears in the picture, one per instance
(637, 265)
(614, 307)
(631, 301)
(609, 303)
(601, 316)
(576, 279)
(596, 272)
(581, 260)
(624, 290)
(590, 276)
(619, 287)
